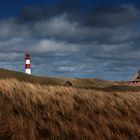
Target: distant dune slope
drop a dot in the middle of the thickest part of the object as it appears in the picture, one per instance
(76, 82)
(41, 112)
(86, 83)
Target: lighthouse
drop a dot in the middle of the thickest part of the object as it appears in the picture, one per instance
(27, 64)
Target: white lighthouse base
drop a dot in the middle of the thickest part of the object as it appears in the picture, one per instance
(28, 71)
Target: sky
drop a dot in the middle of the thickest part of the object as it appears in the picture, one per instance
(71, 38)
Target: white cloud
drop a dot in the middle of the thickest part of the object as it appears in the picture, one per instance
(55, 46)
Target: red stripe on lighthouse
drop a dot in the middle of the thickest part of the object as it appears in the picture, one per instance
(27, 66)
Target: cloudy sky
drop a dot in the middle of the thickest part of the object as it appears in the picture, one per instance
(71, 38)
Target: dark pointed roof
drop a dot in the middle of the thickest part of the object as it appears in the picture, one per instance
(27, 56)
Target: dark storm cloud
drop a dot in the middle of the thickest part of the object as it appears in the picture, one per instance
(31, 13)
(67, 41)
(112, 16)
(70, 6)
(100, 16)
(34, 13)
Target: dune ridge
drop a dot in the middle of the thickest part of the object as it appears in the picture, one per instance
(43, 112)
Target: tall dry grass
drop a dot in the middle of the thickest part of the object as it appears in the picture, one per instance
(35, 112)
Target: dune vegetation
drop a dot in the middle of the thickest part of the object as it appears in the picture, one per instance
(33, 111)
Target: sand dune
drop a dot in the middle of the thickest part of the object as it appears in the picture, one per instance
(34, 111)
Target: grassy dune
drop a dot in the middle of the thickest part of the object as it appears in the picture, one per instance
(33, 111)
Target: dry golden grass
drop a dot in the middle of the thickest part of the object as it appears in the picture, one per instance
(39, 112)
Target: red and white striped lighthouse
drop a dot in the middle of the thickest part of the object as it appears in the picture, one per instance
(27, 64)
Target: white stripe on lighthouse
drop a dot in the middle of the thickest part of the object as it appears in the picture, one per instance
(28, 71)
(27, 61)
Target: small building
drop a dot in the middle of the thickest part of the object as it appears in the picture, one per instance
(135, 81)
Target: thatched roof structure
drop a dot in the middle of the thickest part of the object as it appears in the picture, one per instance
(136, 77)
